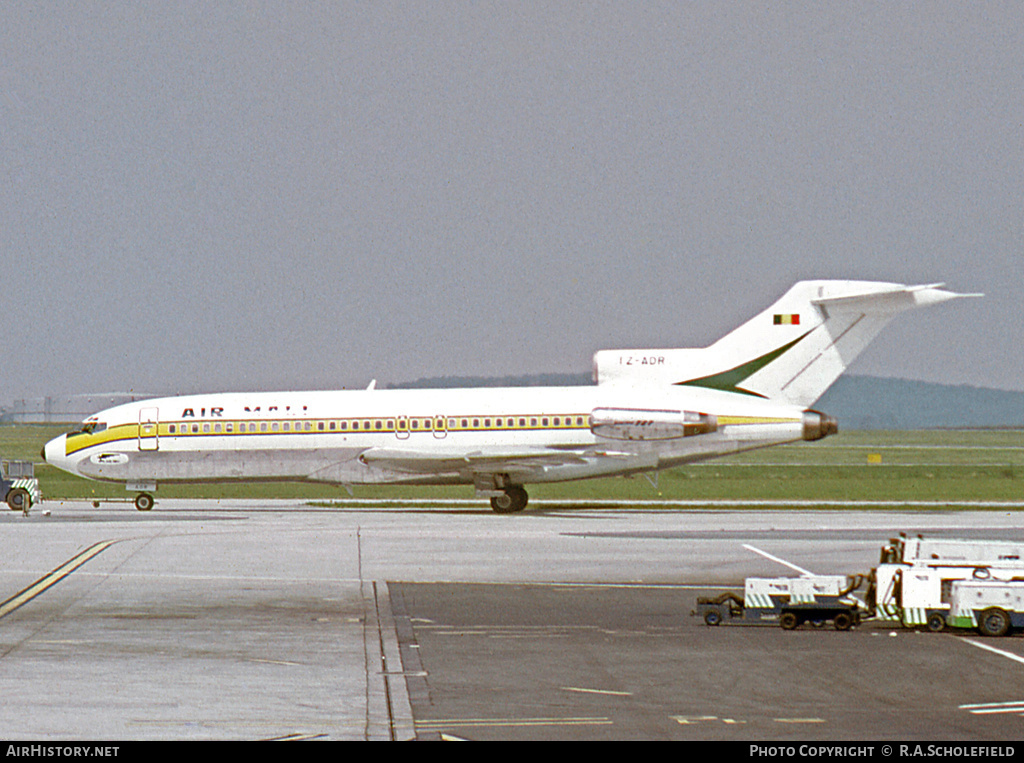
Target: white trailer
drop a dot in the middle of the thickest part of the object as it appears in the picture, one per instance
(994, 607)
(816, 599)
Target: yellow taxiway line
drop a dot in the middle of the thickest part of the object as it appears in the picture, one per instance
(52, 578)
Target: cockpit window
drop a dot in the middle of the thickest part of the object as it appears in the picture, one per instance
(92, 427)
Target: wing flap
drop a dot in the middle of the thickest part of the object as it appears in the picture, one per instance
(480, 461)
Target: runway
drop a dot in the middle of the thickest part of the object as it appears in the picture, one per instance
(276, 620)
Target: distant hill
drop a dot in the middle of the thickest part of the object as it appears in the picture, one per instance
(858, 402)
(867, 402)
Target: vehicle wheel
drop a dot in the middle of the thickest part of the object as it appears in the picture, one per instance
(513, 500)
(994, 622)
(842, 621)
(144, 502)
(18, 499)
(936, 622)
(789, 621)
(712, 617)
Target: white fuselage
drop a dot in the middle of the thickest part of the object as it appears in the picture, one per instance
(481, 436)
(649, 410)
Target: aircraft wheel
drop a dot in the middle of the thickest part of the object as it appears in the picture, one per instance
(994, 622)
(144, 502)
(842, 622)
(18, 499)
(513, 500)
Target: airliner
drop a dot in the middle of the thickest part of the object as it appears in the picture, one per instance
(648, 410)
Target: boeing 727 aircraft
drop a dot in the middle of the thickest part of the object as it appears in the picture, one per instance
(648, 410)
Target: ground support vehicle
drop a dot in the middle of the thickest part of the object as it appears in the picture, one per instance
(920, 595)
(790, 602)
(993, 607)
(920, 550)
(913, 583)
(18, 485)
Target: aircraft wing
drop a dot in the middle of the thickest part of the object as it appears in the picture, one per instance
(521, 462)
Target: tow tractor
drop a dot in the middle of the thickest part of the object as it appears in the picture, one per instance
(19, 485)
(814, 599)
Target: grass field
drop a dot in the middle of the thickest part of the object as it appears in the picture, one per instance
(933, 465)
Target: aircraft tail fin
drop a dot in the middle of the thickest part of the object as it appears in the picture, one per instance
(791, 352)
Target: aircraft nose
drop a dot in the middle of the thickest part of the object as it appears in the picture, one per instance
(53, 452)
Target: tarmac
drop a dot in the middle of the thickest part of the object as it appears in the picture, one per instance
(244, 620)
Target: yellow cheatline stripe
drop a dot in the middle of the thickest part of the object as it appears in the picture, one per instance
(118, 433)
(734, 420)
(77, 441)
(372, 425)
(54, 577)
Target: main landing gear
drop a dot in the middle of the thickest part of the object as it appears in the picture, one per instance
(512, 499)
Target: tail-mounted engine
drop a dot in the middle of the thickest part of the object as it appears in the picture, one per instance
(648, 424)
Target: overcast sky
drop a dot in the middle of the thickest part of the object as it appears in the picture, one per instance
(219, 195)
